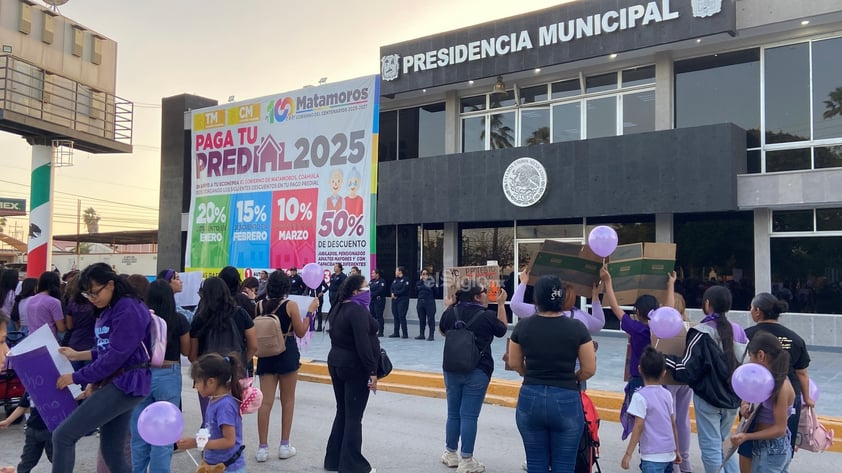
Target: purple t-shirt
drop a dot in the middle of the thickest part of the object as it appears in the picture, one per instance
(593, 323)
(225, 411)
(655, 406)
(82, 336)
(639, 338)
(43, 309)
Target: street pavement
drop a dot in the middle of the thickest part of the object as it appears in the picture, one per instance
(404, 433)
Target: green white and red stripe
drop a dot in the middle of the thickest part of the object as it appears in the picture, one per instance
(40, 211)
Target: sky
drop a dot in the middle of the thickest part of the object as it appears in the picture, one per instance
(215, 49)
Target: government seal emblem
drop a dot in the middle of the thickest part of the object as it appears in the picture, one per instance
(524, 182)
(389, 67)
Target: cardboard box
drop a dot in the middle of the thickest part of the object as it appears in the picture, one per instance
(671, 346)
(576, 265)
(641, 268)
(487, 277)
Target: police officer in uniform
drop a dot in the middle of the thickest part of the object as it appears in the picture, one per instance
(296, 284)
(400, 302)
(426, 305)
(336, 280)
(379, 293)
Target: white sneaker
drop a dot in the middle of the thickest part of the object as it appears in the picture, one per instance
(286, 451)
(262, 454)
(470, 465)
(451, 459)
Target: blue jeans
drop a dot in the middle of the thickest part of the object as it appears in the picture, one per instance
(109, 409)
(655, 467)
(771, 456)
(465, 394)
(166, 386)
(713, 425)
(550, 420)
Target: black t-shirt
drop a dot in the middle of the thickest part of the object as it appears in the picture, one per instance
(242, 320)
(551, 348)
(485, 328)
(175, 329)
(799, 359)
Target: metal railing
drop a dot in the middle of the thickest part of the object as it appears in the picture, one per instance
(35, 92)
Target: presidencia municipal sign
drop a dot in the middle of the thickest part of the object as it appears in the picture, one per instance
(12, 207)
(286, 180)
(569, 32)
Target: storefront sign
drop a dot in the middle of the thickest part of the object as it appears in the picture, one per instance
(285, 180)
(524, 182)
(569, 32)
(12, 207)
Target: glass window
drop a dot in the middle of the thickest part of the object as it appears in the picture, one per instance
(473, 104)
(602, 117)
(567, 122)
(432, 252)
(829, 220)
(431, 130)
(480, 245)
(639, 112)
(473, 134)
(787, 99)
(805, 273)
(787, 160)
(502, 100)
(533, 94)
(792, 221)
(534, 126)
(502, 130)
(601, 82)
(724, 88)
(827, 89)
(753, 162)
(538, 230)
(387, 147)
(566, 88)
(828, 157)
(639, 76)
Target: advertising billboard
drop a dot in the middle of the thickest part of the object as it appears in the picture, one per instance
(286, 180)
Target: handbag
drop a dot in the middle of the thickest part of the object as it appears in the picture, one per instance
(384, 365)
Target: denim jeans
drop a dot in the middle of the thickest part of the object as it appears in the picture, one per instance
(682, 395)
(550, 420)
(109, 409)
(166, 386)
(771, 456)
(655, 467)
(713, 425)
(465, 394)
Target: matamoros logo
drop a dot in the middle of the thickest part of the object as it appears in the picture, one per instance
(279, 110)
(287, 108)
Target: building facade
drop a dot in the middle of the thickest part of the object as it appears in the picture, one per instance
(713, 124)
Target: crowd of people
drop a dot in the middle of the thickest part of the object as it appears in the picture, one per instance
(102, 320)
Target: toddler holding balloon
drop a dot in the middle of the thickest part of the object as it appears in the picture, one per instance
(771, 451)
(216, 377)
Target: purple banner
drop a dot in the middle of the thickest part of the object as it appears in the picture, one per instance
(39, 374)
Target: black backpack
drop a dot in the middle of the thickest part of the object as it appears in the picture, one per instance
(461, 354)
(226, 339)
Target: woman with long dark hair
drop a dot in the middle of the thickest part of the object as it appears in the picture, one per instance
(8, 286)
(352, 363)
(119, 368)
(220, 326)
(549, 411)
(19, 314)
(44, 308)
(166, 380)
(715, 348)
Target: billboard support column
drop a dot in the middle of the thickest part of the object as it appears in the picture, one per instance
(41, 207)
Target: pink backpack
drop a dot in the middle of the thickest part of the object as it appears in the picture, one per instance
(812, 436)
(252, 397)
(158, 345)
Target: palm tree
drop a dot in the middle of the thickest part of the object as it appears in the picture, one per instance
(91, 219)
(540, 136)
(834, 105)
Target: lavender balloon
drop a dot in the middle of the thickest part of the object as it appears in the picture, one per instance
(665, 322)
(160, 423)
(753, 382)
(312, 275)
(603, 240)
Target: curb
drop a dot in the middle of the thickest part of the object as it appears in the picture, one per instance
(501, 393)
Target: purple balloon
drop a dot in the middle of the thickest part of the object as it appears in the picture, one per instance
(160, 423)
(665, 322)
(603, 240)
(753, 382)
(312, 275)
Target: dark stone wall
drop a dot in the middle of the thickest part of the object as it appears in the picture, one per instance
(674, 171)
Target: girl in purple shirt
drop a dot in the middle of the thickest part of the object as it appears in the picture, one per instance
(118, 377)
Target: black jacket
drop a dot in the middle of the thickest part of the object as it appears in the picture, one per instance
(705, 369)
(424, 288)
(378, 288)
(400, 288)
